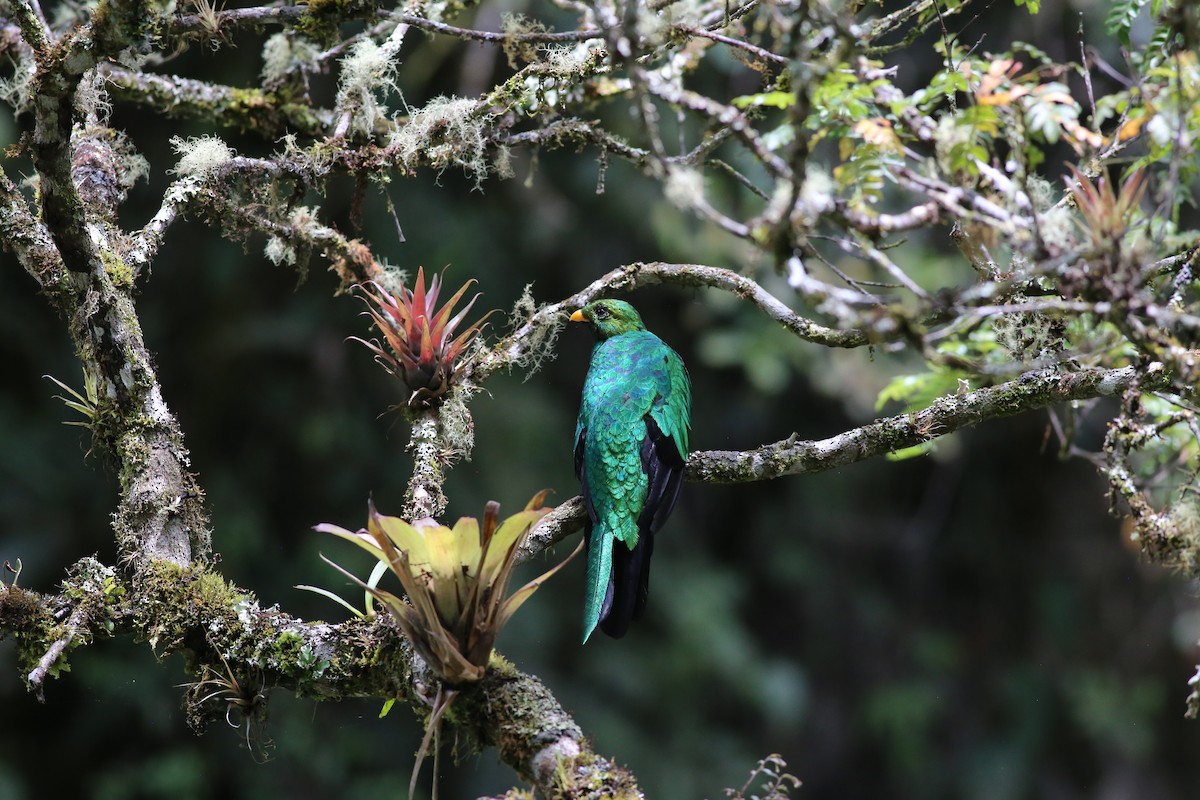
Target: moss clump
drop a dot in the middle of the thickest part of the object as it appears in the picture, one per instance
(177, 603)
(448, 131)
(1172, 537)
(31, 623)
(322, 18)
(118, 271)
(589, 775)
(368, 73)
(296, 658)
(92, 600)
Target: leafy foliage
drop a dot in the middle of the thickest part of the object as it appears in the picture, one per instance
(1120, 18)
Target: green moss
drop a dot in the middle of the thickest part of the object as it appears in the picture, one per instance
(321, 19)
(119, 272)
(262, 112)
(501, 666)
(31, 623)
(241, 99)
(176, 602)
(92, 599)
(587, 775)
(294, 657)
(19, 608)
(287, 646)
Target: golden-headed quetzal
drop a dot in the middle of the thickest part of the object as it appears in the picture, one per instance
(631, 443)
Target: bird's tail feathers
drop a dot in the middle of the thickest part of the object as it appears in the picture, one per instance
(628, 586)
(599, 599)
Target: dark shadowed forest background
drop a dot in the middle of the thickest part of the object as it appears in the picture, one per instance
(966, 624)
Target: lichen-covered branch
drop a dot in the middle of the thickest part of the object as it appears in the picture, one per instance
(28, 238)
(532, 733)
(424, 496)
(160, 514)
(90, 598)
(520, 346)
(566, 518)
(248, 109)
(947, 414)
(174, 609)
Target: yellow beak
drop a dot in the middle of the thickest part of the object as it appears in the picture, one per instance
(578, 316)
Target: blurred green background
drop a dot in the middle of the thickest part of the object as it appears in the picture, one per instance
(964, 625)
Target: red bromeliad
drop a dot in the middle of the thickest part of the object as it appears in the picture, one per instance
(425, 353)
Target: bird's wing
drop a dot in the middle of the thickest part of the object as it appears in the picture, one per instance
(663, 454)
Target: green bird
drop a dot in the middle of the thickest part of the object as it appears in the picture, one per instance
(631, 443)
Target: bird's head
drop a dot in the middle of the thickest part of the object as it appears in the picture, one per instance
(609, 318)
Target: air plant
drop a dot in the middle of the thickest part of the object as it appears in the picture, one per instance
(245, 706)
(456, 580)
(422, 349)
(1107, 213)
(86, 403)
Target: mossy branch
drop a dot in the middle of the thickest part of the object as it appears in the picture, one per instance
(195, 611)
(946, 415)
(28, 238)
(160, 513)
(251, 109)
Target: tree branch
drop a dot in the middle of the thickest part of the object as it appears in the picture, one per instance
(252, 109)
(194, 609)
(519, 346)
(947, 414)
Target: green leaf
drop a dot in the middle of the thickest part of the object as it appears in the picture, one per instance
(768, 99)
(1047, 116)
(919, 391)
(387, 706)
(331, 596)
(779, 137)
(1120, 18)
(373, 583)
(906, 453)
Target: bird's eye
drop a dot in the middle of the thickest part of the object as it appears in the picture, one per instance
(600, 313)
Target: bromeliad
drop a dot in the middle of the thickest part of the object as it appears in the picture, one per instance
(631, 443)
(422, 348)
(456, 580)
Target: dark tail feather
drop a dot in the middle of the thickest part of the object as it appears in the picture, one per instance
(628, 587)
